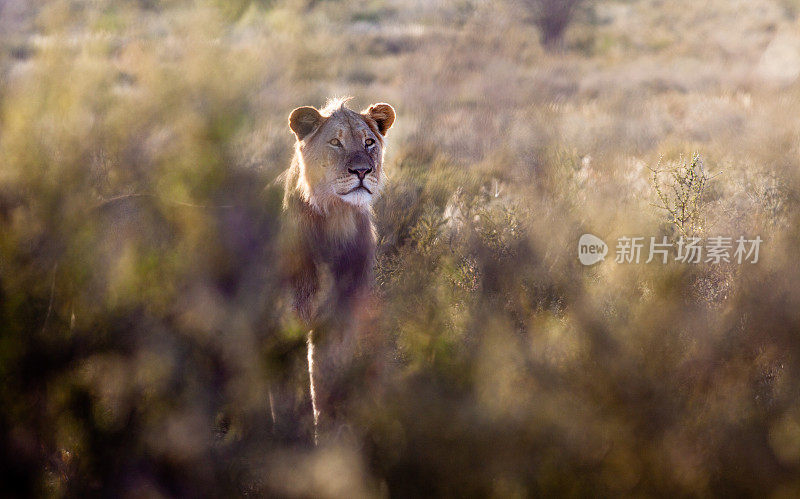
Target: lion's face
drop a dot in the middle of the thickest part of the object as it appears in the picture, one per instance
(341, 153)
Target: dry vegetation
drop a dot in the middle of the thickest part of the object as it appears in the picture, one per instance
(142, 331)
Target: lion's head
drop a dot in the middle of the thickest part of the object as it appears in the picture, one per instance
(340, 153)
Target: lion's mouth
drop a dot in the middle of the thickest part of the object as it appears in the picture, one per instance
(361, 186)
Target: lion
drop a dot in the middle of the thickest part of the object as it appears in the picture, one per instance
(335, 176)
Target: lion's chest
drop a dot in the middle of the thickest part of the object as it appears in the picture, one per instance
(341, 241)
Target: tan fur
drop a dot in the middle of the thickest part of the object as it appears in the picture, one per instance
(335, 175)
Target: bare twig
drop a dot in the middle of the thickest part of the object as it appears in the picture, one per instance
(124, 197)
(52, 298)
(685, 201)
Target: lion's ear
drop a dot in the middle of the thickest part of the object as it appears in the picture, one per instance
(304, 120)
(383, 114)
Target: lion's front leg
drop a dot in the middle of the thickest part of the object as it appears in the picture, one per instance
(330, 370)
(333, 345)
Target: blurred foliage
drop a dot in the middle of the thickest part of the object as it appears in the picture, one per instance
(146, 347)
(552, 17)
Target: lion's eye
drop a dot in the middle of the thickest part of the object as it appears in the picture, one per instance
(335, 143)
(369, 142)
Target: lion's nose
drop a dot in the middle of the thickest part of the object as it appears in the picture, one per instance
(361, 172)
